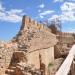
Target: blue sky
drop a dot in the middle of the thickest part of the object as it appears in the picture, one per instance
(11, 12)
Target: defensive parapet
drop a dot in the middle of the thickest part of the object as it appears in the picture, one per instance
(27, 22)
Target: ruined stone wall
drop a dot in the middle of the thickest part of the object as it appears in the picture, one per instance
(35, 40)
(66, 40)
(32, 32)
(6, 51)
(67, 37)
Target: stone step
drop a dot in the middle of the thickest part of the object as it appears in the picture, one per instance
(9, 71)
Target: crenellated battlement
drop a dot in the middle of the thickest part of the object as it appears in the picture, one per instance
(27, 22)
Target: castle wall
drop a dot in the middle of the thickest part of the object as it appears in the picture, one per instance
(33, 36)
(26, 22)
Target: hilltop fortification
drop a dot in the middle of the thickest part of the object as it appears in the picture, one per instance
(33, 45)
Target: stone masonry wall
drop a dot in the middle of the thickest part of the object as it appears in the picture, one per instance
(27, 22)
(35, 40)
(32, 32)
(6, 51)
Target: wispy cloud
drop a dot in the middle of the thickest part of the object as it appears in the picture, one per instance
(67, 12)
(54, 17)
(47, 12)
(12, 15)
(39, 10)
(58, 0)
(1, 7)
(69, 29)
(41, 6)
(68, 6)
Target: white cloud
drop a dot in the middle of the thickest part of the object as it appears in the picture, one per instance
(13, 15)
(12, 11)
(42, 14)
(41, 6)
(68, 16)
(67, 12)
(58, 0)
(46, 12)
(54, 17)
(11, 18)
(68, 6)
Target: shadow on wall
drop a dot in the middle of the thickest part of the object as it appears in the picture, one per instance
(17, 57)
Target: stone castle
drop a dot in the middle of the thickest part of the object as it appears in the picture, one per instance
(31, 52)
